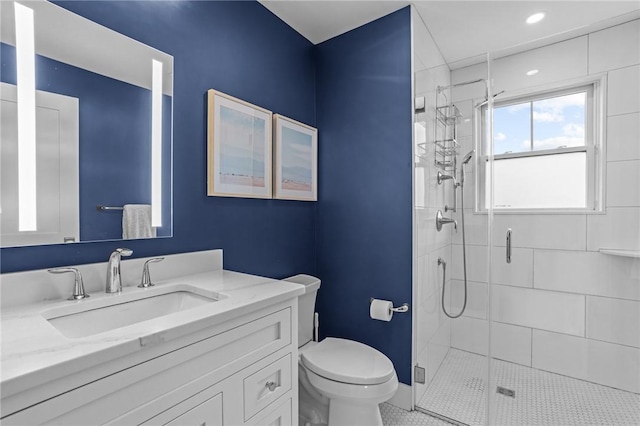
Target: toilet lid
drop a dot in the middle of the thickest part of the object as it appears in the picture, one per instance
(348, 362)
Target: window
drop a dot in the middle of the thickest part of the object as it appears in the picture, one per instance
(546, 148)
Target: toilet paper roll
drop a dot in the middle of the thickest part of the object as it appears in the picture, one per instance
(381, 310)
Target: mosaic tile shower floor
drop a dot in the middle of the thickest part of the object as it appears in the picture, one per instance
(394, 416)
(542, 398)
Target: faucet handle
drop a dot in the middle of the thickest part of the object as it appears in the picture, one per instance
(146, 276)
(78, 288)
(441, 220)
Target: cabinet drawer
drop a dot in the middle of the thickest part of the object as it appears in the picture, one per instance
(209, 413)
(281, 416)
(266, 385)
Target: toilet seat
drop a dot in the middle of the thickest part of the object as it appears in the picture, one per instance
(348, 362)
(368, 394)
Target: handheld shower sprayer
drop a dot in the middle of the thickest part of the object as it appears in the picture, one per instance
(465, 161)
(467, 157)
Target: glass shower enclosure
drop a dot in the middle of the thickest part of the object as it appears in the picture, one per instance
(527, 300)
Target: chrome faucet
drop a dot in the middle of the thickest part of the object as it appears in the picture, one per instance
(114, 280)
(441, 220)
(78, 288)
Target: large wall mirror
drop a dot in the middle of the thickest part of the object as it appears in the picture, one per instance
(86, 132)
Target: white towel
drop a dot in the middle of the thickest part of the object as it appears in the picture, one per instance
(136, 222)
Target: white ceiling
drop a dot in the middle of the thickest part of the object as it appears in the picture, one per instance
(462, 29)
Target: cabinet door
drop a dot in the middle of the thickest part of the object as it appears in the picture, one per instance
(209, 413)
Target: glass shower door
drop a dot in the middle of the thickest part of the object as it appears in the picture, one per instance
(452, 272)
(563, 296)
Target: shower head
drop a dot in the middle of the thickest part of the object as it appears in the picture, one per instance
(467, 157)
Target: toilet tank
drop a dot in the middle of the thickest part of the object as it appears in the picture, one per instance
(306, 306)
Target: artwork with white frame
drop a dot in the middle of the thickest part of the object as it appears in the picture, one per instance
(239, 148)
(295, 160)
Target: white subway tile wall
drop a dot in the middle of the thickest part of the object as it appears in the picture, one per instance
(587, 359)
(476, 299)
(623, 188)
(623, 137)
(618, 229)
(560, 353)
(511, 343)
(556, 62)
(613, 365)
(544, 310)
(614, 48)
(561, 305)
(590, 273)
(553, 231)
(623, 84)
(475, 226)
(613, 320)
(470, 334)
(476, 263)
(517, 273)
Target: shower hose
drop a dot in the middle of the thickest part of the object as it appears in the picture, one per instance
(464, 265)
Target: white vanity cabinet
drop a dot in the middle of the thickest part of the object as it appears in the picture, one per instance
(240, 372)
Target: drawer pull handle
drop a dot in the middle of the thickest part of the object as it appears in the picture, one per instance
(271, 386)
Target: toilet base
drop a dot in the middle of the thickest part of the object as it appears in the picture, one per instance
(350, 413)
(350, 404)
(313, 408)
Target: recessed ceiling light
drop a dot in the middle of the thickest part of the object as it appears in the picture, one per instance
(532, 72)
(536, 17)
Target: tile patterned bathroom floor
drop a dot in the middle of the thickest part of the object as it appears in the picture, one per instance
(394, 416)
(542, 398)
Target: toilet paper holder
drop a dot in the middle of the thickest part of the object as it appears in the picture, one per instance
(402, 308)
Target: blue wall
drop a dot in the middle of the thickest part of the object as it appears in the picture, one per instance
(364, 211)
(357, 238)
(115, 141)
(239, 48)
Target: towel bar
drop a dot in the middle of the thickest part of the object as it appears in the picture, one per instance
(102, 208)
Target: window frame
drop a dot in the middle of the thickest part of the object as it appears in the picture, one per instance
(595, 120)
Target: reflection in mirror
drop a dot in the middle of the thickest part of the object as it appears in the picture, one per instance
(86, 124)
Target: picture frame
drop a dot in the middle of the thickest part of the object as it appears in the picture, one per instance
(239, 148)
(295, 160)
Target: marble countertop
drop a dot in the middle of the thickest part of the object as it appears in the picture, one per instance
(33, 351)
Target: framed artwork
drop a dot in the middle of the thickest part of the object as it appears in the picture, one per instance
(238, 148)
(295, 160)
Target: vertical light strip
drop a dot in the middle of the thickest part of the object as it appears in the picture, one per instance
(26, 79)
(156, 144)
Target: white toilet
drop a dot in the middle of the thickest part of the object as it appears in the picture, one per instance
(341, 381)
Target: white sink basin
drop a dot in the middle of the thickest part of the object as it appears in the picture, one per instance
(90, 317)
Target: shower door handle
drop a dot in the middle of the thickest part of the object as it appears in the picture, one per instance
(509, 245)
